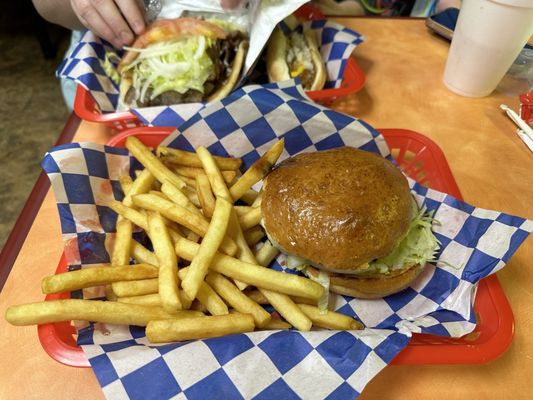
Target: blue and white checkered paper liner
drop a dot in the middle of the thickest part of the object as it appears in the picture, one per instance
(275, 364)
(84, 65)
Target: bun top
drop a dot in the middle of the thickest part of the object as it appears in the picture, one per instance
(338, 208)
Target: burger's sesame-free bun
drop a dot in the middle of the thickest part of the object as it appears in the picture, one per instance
(338, 209)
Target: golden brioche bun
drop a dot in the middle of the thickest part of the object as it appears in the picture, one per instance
(340, 209)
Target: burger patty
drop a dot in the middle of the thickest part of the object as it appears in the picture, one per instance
(222, 53)
(165, 98)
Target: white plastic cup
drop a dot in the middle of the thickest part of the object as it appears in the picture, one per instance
(487, 39)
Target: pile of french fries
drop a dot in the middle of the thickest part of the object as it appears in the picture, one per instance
(201, 278)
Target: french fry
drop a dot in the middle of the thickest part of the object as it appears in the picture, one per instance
(109, 294)
(237, 299)
(151, 162)
(190, 159)
(178, 197)
(196, 305)
(138, 218)
(198, 328)
(213, 174)
(193, 237)
(211, 300)
(277, 324)
(136, 288)
(135, 216)
(249, 197)
(190, 182)
(185, 300)
(254, 274)
(250, 219)
(142, 255)
(207, 296)
(191, 195)
(254, 235)
(284, 305)
(330, 319)
(159, 194)
(89, 277)
(256, 296)
(208, 248)
(122, 247)
(152, 299)
(244, 253)
(242, 210)
(257, 171)
(304, 300)
(205, 195)
(192, 172)
(108, 312)
(182, 216)
(258, 199)
(142, 184)
(266, 254)
(168, 263)
(125, 183)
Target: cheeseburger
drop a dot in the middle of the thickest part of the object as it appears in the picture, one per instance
(181, 60)
(349, 214)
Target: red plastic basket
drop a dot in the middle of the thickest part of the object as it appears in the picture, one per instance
(422, 160)
(86, 108)
(352, 81)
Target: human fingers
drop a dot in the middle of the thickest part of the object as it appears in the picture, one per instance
(231, 4)
(134, 14)
(92, 20)
(110, 13)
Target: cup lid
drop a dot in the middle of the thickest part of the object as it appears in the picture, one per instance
(516, 3)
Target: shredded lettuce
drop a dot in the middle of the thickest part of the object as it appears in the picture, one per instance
(110, 60)
(176, 65)
(322, 279)
(417, 247)
(295, 262)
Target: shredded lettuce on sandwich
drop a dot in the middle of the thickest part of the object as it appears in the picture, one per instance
(109, 66)
(417, 247)
(176, 65)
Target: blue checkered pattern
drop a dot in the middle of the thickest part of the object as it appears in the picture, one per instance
(273, 364)
(84, 65)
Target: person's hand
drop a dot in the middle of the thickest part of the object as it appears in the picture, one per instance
(117, 21)
(231, 4)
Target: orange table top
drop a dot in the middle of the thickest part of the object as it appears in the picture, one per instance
(403, 63)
